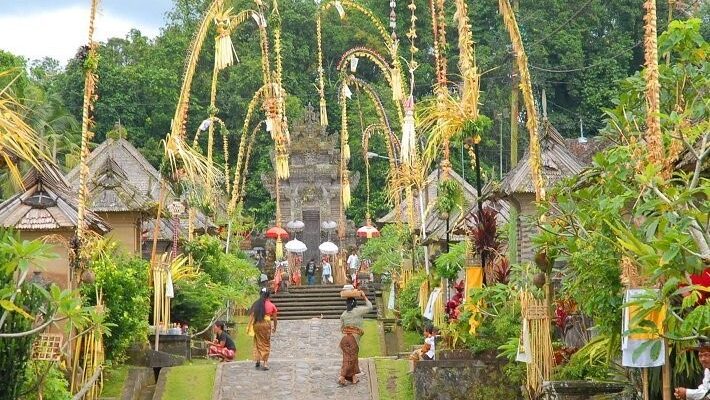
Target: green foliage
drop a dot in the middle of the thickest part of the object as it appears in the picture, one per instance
(29, 302)
(450, 197)
(387, 249)
(54, 386)
(651, 213)
(448, 265)
(500, 319)
(408, 304)
(223, 278)
(126, 295)
(592, 361)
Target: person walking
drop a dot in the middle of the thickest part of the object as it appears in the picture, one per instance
(311, 272)
(351, 322)
(327, 272)
(263, 323)
(353, 265)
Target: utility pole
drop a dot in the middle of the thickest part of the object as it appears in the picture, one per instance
(514, 110)
(500, 145)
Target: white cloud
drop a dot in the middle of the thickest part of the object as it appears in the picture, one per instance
(60, 32)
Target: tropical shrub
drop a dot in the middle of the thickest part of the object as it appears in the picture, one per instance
(223, 278)
(408, 304)
(123, 281)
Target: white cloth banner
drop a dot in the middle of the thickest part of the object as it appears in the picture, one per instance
(169, 291)
(390, 301)
(429, 313)
(524, 351)
(631, 356)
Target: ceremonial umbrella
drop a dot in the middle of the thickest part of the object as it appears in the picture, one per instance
(276, 232)
(295, 226)
(296, 246)
(368, 231)
(328, 248)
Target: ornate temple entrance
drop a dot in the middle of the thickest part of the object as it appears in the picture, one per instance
(311, 237)
(312, 192)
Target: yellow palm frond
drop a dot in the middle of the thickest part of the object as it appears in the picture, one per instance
(443, 119)
(180, 269)
(18, 141)
(191, 165)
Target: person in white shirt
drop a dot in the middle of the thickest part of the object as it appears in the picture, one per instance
(353, 264)
(704, 389)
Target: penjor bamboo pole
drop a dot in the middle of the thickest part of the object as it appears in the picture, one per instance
(654, 140)
(514, 107)
(86, 134)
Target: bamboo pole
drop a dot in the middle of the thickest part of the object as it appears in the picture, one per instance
(90, 78)
(514, 106)
(654, 140)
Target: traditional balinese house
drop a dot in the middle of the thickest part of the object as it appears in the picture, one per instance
(518, 189)
(47, 210)
(123, 189)
(436, 228)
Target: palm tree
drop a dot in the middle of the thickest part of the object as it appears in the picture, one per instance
(18, 141)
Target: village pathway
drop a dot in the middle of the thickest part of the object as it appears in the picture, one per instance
(304, 365)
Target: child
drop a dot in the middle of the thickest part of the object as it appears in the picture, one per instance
(428, 351)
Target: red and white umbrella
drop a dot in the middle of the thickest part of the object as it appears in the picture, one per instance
(368, 231)
(276, 232)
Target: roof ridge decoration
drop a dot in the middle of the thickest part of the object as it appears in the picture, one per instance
(47, 203)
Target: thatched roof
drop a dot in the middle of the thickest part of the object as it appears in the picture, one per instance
(110, 190)
(133, 168)
(584, 151)
(435, 226)
(557, 163)
(166, 227)
(48, 203)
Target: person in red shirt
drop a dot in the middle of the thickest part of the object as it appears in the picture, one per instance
(263, 320)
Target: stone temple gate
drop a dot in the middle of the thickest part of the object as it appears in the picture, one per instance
(312, 192)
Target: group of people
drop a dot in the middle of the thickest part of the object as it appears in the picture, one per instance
(263, 322)
(326, 271)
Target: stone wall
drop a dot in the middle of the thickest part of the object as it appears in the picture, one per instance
(463, 376)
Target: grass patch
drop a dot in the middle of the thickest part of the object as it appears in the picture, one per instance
(394, 380)
(244, 342)
(411, 338)
(192, 381)
(370, 342)
(114, 378)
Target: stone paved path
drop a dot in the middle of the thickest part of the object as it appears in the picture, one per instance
(305, 362)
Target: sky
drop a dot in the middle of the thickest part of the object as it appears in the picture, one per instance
(57, 28)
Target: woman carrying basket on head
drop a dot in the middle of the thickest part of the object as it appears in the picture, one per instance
(351, 326)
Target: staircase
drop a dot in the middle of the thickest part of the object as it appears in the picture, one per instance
(317, 301)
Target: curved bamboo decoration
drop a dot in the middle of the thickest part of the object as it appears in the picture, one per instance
(522, 61)
(180, 117)
(394, 68)
(379, 61)
(241, 161)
